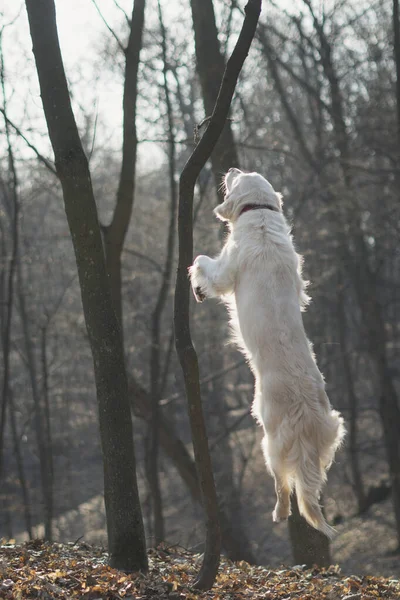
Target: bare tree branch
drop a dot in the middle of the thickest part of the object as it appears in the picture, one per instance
(126, 539)
(128, 20)
(110, 29)
(47, 163)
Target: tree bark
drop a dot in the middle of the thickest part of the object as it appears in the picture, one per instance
(124, 519)
(186, 352)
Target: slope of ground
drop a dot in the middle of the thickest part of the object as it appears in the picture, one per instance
(67, 571)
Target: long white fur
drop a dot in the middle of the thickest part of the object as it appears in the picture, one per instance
(258, 276)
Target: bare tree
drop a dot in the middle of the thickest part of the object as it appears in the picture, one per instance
(124, 519)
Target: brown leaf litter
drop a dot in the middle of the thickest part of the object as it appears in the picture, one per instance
(53, 571)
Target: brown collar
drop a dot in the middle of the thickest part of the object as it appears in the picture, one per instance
(247, 207)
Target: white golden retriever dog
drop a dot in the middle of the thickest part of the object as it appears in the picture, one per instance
(258, 276)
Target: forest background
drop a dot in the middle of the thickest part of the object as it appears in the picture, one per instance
(317, 111)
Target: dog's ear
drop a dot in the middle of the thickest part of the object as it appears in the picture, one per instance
(230, 177)
(224, 211)
(279, 199)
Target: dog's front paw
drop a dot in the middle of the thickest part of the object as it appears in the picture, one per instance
(197, 280)
(199, 294)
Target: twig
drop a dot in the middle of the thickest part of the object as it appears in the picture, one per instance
(110, 29)
(42, 159)
(128, 20)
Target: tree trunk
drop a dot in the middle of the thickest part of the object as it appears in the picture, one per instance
(211, 67)
(184, 346)
(124, 519)
(309, 546)
(47, 439)
(358, 484)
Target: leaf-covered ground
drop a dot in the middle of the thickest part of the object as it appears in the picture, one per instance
(79, 571)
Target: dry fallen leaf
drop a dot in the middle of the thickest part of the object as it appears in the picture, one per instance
(79, 572)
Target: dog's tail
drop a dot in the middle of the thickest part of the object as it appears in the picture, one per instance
(311, 510)
(309, 478)
(310, 458)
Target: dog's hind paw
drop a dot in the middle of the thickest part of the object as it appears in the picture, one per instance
(280, 513)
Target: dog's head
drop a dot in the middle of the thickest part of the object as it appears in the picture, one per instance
(245, 188)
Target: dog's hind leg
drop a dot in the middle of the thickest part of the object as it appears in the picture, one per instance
(282, 507)
(282, 484)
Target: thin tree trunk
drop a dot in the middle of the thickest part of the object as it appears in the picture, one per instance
(358, 484)
(14, 214)
(115, 233)
(210, 67)
(21, 471)
(186, 352)
(396, 51)
(124, 519)
(47, 441)
(155, 360)
(40, 428)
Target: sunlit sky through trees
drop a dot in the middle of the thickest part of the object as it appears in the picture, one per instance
(94, 67)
